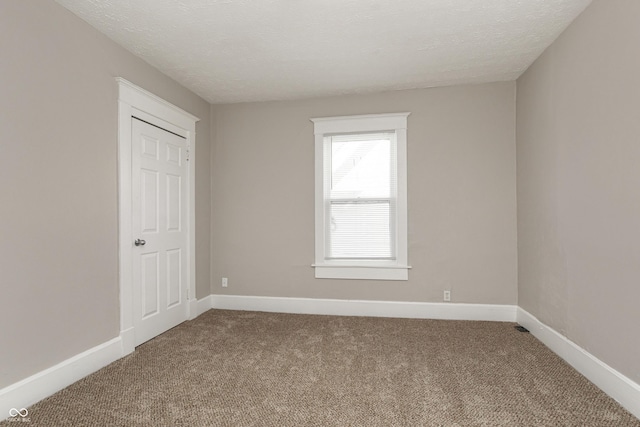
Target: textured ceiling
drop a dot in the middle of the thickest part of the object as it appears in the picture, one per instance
(241, 50)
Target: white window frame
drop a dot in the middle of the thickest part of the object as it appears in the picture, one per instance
(396, 269)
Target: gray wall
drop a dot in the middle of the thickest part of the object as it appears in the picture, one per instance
(58, 184)
(462, 196)
(578, 151)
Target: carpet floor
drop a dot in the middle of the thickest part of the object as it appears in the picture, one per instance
(232, 368)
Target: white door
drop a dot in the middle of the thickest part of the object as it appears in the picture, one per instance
(160, 235)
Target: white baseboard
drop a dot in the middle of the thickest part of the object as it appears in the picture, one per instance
(414, 310)
(45, 383)
(205, 304)
(619, 387)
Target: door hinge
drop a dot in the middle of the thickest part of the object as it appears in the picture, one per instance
(187, 154)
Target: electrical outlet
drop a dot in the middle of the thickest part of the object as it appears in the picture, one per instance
(225, 282)
(447, 296)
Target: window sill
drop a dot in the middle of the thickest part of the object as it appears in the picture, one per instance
(359, 272)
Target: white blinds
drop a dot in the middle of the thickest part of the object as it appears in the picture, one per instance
(360, 201)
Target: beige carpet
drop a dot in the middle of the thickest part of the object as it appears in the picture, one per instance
(230, 368)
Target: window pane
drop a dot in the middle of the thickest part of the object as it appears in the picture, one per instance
(360, 166)
(360, 230)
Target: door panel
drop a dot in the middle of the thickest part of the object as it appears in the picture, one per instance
(174, 208)
(149, 283)
(149, 202)
(174, 282)
(159, 179)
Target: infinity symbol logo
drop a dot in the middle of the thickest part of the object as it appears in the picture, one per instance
(13, 412)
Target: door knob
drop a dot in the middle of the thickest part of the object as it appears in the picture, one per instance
(139, 242)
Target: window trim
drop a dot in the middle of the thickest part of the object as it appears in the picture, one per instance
(362, 269)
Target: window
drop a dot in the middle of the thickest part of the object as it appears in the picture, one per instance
(361, 197)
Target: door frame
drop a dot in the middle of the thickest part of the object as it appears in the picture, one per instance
(134, 101)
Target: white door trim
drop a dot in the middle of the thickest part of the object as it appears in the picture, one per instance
(135, 101)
